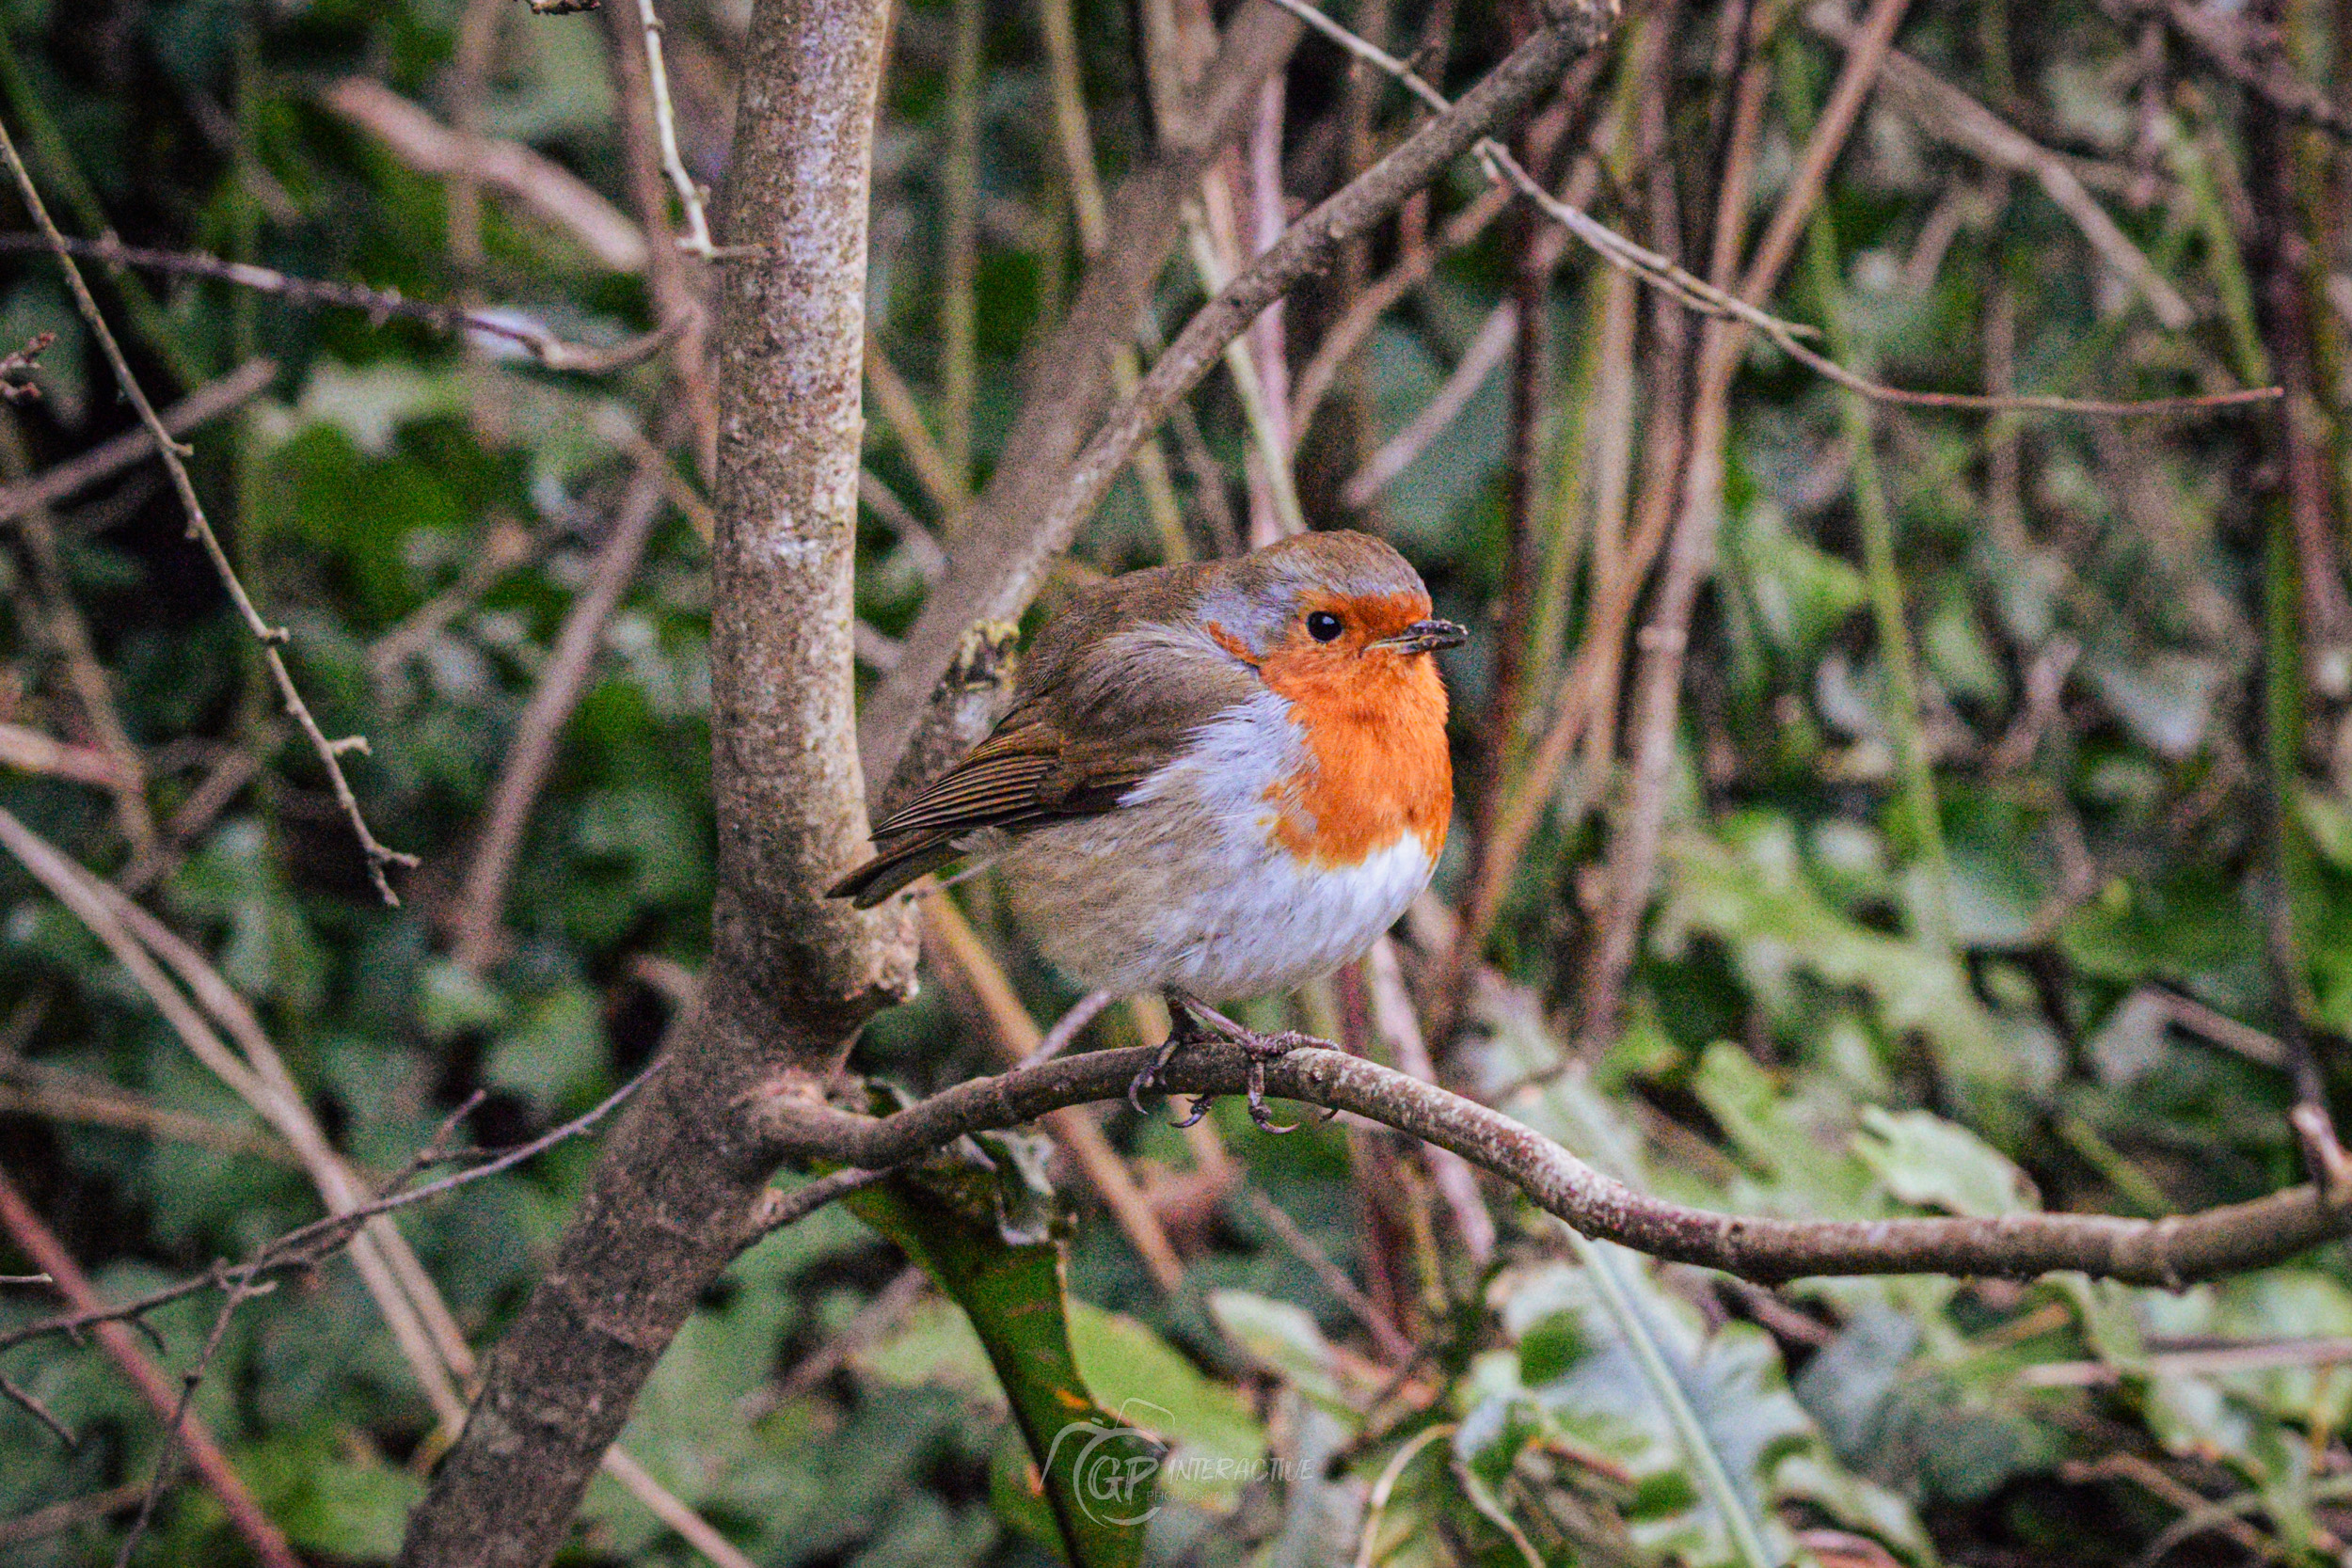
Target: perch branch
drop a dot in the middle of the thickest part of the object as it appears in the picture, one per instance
(2170, 1252)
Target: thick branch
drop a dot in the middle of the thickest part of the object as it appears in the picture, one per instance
(792, 974)
(2168, 1252)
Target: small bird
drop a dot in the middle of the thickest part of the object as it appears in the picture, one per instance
(1216, 780)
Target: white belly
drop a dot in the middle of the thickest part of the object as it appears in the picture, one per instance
(1184, 884)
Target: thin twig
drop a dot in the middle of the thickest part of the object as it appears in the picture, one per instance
(880, 1314)
(941, 480)
(1394, 1020)
(76, 474)
(502, 547)
(1696, 294)
(780, 1207)
(1377, 1505)
(1691, 549)
(960, 242)
(39, 1243)
(235, 1293)
(530, 754)
(1479, 361)
(68, 630)
(1393, 1340)
(1066, 1027)
(1349, 334)
(307, 1245)
(315, 294)
(696, 240)
(329, 752)
(60, 1096)
(73, 1512)
(2220, 36)
(32, 1406)
(1948, 113)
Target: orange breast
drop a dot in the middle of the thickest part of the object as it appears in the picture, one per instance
(1375, 726)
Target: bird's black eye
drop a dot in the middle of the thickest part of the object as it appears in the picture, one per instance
(1322, 626)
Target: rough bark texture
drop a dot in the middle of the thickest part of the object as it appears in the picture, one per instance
(792, 975)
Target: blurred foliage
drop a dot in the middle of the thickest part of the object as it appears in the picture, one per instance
(1828, 1018)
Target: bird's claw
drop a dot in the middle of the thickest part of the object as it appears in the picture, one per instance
(1196, 1024)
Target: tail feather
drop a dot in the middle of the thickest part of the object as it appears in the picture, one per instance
(893, 869)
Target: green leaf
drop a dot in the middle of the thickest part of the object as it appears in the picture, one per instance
(1935, 1163)
(1215, 1443)
(1755, 896)
(1098, 1469)
(1284, 1340)
(1702, 1423)
(556, 1056)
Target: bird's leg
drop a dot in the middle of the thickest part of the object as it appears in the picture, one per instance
(1193, 1021)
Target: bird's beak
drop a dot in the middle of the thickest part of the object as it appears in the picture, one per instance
(1426, 636)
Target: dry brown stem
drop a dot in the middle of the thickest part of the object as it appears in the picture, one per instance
(39, 1243)
(530, 754)
(74, 476)
(417, 138)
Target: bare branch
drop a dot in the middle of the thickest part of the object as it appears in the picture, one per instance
(1947, 112)
(329, 753)
(1484, 355)
(31, 751)
(72, 477)
(2223, 38)
(39, 1412)
(307, 1245)
(506, 325)
(696, 240)
(530, 754)
(2169, 1253)
(419, 140)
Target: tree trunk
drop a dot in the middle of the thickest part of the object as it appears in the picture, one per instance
(791, 975)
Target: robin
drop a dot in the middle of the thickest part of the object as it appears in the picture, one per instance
(1216, 780)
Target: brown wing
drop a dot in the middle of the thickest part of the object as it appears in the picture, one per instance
(1024, 775)
(1081, 735)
